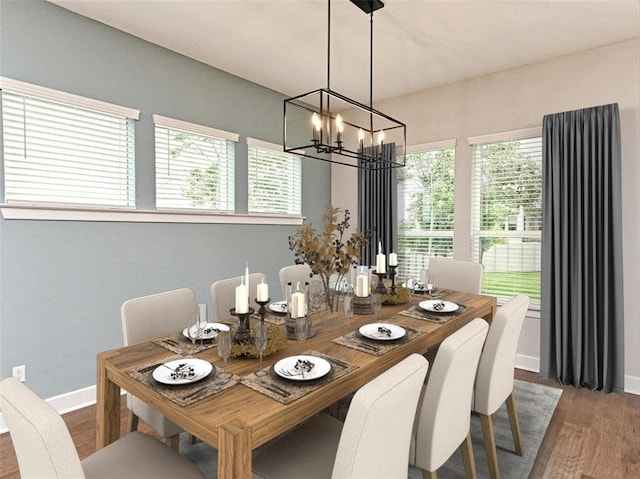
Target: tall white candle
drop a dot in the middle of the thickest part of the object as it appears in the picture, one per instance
(381, 266)
(242, 301)
(393, 259)
(362, 286)
(262, 291)
(246, 282)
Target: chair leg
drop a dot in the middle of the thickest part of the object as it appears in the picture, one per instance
(174, 442)
(132, 421)
(515, 427)
(192, 439)
(429, 474)
(466, 448)
(490, 445)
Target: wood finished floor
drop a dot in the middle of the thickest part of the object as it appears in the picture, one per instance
(591, 436)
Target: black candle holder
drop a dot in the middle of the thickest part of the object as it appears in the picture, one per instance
(243, 334)
(262, 311)
(392, 274)
(380, 288)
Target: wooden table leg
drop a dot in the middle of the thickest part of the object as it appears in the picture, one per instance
(234, 450)
(107, 405)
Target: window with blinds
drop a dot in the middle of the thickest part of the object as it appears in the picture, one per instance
(425, 207)
(60, 149)
(507, 215)
(195, 166)
(275, 179)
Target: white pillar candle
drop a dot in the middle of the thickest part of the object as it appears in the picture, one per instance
(381, 266)
(393, 259)
(262, 292)
(246, 282)
(242, 301)
(362, 286)
(298, 305)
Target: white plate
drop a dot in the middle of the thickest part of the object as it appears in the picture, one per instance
(278, 307)
(321, 368)
(200, 368)
(371, 331)
(208, 333)
(449, 307)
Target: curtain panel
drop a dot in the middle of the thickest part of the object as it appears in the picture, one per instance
(582, 321)
(377, 215)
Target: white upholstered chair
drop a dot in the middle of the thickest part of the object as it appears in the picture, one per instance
(145, 318)
(292, 274)
(44, 448)
(223, 294)
(456, 274)
(443, 419)
(372, 443)
(494, 380)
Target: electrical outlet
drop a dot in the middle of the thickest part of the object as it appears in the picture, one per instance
(20, 372)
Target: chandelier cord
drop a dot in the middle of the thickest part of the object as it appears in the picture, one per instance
(371, 73)
(328, 44)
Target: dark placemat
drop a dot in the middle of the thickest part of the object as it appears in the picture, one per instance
(440, 318)
(185, 394)
(285, 391)
(355, 340)
(177, 343)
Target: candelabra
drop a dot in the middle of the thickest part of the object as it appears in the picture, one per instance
(243, 334)
(392, 274)
(380, 288)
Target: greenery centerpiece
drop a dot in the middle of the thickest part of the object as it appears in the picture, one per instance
(328, 253)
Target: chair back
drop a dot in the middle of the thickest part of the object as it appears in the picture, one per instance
(456, 274)
(223, 294)
(494, 380)
(444, 414)
(40, 437)
(157, 314)
(377, 430)
(292, 274)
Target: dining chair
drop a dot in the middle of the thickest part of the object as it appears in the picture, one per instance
(223, 294)
(459, 275)
(443, 417)
(44, 447)
(145, 318)
(494, 380)
(292, 274)
(373, 441)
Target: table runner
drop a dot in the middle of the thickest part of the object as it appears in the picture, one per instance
(355, 340)
(285, 391)
(186, 394)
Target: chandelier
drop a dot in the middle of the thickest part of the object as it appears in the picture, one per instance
(326, 125)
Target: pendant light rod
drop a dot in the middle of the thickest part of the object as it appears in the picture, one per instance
(371, 74)
(328, 44)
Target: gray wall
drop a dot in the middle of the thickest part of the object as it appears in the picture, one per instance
(62, 282)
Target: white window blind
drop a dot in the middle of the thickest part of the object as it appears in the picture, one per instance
(425, 207)
(58, 150)
(275, 179)
(194, 166)
(507, 215)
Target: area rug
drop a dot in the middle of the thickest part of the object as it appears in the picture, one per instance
(535, 403)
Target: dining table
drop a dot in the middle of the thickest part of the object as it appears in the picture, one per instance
(239, 419)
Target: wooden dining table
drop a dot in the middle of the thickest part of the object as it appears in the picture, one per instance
(239, 419)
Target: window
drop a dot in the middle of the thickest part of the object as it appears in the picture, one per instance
(62, 149)
(195, 166)
(275, 179)
(425, 206)
(507, 212)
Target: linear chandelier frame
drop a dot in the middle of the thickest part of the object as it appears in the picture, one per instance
(314, 126)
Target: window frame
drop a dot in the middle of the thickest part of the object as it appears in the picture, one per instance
(476, 234)
(289, 156)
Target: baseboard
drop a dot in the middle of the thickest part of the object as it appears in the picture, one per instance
(528, 363)
(632, 384)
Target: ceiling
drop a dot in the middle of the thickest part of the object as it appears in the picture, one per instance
(418, 44)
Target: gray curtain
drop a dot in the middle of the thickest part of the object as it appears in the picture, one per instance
(377, 215)
(582, 322)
